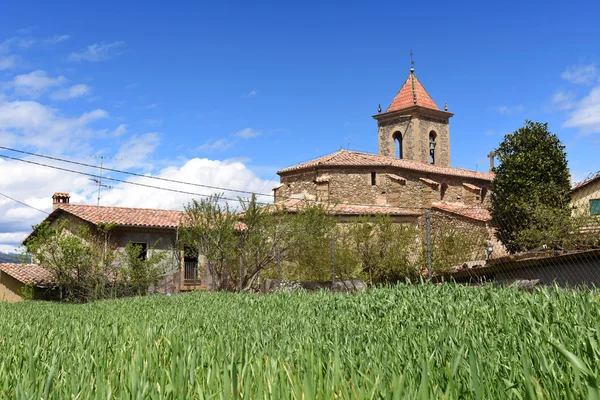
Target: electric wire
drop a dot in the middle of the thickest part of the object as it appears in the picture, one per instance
(23, 203)
(133, 173)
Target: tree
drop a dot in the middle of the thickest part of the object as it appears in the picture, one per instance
(142, 271)
(80, 262)
(208, 226)
(531, 189)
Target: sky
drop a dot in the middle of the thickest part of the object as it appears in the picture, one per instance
(226, 93)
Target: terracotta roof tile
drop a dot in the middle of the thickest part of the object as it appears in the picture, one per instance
(396, 178)
(586, 182)
(322, 179)
(124, 216)
(28, 273)
(412, 93)
(472, 212)
(429, 181)
(472, 187)
(345, 158)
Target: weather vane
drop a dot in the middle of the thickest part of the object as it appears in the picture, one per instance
(412, 63)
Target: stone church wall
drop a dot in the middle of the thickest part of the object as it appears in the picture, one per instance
(353, 186)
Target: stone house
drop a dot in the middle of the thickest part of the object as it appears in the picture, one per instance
(141, 226)
(410, 177)
(586, 196)
(16, 279)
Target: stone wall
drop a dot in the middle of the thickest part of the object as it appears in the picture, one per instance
(353, 186)
(415, 138)
(581, 198)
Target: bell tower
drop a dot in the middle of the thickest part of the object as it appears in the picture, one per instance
(413, 127)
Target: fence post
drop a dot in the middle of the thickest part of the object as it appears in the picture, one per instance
(428, 241)
(278, 264)
(240, 272)
(332, 258)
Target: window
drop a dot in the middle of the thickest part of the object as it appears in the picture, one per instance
(398, 142)
(432, 137)
(595, 206)
(373, 179)
(443, 189)
(143, 249)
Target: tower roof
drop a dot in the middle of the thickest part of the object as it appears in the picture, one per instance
(411, 94)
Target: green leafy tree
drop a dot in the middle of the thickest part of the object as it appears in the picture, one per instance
(208, 226)
(80, 260)
(142, 271)
(262, 233)
(531, 189)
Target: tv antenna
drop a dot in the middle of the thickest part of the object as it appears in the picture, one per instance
(98, 180)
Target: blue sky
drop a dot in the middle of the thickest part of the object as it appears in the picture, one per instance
(226, 94)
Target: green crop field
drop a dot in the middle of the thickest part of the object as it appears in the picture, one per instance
(419, 341)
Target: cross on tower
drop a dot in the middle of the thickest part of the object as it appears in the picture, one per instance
(412, 63)
(491, 157)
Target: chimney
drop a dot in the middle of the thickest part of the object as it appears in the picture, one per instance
(59, 198)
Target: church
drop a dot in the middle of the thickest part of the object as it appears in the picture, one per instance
(410, 175)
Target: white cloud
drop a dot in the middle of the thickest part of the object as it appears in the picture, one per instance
(581, 74)
(35, 83)
(252, 93)
(247, 133)
(45, 128)
(8, 62)
(563, 100)
(17, 42)
(509, 110)
(72, 92)
(212, 145)
(489, 132)
(134, 152)
(120, 130)
(57, 39)
(29, 29)
(98, 52)
(151, 106)
(585, 114)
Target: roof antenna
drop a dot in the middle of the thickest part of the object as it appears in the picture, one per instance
(412, 63)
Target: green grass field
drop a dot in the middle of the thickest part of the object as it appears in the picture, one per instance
(402, 342)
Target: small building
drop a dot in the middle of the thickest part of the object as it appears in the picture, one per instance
(19, 281)
(586, 196)
(144, 227)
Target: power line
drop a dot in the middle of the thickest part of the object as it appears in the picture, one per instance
(133, 173)
(112, 179)
(23, 203)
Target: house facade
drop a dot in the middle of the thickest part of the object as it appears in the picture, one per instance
(151, 229)
(585, 196)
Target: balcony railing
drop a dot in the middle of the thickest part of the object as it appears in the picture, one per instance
(190, 272)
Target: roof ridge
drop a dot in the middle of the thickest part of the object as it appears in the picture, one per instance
(64, 205)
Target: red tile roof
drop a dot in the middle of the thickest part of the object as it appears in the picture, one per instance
(472, 212)
(28, 273)
(293, 205)
(430, 181)
(472, 187)
(586, 182)
(345, 158)
(145, 217)
(412, 93)
(397, 178)
(322, 179)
